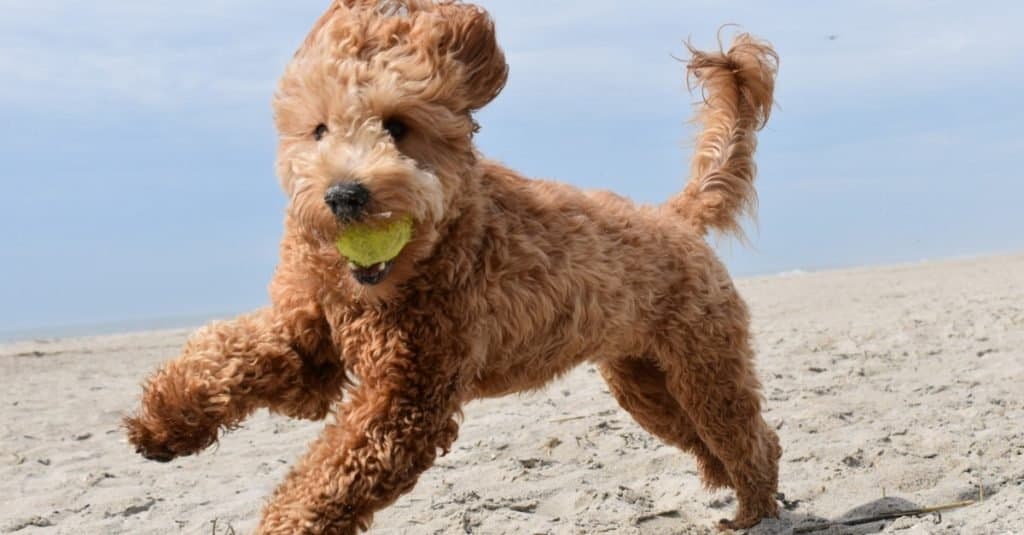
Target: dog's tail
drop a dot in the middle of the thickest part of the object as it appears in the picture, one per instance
(737, 87)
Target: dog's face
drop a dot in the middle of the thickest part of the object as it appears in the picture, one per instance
(374, 118)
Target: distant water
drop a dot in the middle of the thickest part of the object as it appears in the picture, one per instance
(192, 321)
(113, 327)
(182, 322)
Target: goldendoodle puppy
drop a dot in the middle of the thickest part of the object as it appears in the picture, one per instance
(505, 284)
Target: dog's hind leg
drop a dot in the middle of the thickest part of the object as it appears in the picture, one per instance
(640, 387)
(710, 373)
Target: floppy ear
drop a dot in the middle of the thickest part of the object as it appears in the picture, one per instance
(469, 39)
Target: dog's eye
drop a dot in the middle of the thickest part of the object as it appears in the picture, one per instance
(396, 128)
(320, 132)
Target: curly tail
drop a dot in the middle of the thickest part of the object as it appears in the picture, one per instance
(737, 86)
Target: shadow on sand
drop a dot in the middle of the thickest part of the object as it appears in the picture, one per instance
(792, 522)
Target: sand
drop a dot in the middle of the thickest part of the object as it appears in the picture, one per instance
(894, 387)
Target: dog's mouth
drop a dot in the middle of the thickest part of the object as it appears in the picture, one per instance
(370, 276)
(372, 245)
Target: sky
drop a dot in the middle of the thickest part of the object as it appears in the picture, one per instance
(137, 144)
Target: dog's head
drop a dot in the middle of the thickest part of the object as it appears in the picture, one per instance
(374, 115)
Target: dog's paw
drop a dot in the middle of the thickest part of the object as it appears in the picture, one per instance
(730, 525)
(746, 519)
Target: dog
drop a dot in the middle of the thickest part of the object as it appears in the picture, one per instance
(506, 284)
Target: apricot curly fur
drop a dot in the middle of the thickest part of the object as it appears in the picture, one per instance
(507, 284)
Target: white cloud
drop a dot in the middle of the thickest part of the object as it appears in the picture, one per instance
(880, 48)
(615, 53)
(894, 50)
(59, 53)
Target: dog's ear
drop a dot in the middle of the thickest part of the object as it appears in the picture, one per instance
(468, 38)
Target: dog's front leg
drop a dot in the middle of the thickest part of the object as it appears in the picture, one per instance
(386, 435)
(271, 358)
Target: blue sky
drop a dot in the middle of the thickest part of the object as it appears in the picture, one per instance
(137, 142)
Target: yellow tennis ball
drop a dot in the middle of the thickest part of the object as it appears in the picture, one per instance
(368, 244)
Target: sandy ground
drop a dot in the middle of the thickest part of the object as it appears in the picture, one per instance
(891, 387)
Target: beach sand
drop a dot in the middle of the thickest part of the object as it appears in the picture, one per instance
(893, 387)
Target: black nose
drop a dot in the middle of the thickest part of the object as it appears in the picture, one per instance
(347, 200)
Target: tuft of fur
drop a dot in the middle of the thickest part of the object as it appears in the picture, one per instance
(507, 282)
(737, 86)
